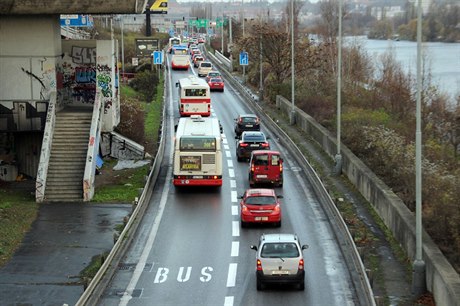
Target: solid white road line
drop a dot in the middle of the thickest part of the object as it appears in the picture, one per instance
(127, 295)
(231, 279)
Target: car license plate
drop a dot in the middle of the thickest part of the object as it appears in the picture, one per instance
(261, 218)
(255, 145)
(197, 176)
(280, 272)
(249, 125)
(261, 176)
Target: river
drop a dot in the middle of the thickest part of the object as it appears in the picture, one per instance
(443, 59)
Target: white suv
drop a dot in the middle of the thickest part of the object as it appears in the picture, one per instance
(204, 68)
(279, 259)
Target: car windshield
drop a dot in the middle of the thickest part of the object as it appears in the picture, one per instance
(216, 80)
(260, 200)
(249, 119)
(254, 138)
(207, 65)
(279, 249)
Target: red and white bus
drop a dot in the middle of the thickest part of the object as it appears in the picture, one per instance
(198, 152)
(194, 96)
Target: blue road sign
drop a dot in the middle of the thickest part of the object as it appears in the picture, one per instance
(158, 57)
(244, 59)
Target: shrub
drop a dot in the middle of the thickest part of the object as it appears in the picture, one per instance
(145, 83)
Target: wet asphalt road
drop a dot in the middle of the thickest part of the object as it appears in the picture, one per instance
(61, 243)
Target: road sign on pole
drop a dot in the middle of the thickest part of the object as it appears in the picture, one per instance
(158, 57)
(244, 59)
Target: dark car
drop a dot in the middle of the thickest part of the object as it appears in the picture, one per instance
(250, 141)
(247, 122)
(260, 205)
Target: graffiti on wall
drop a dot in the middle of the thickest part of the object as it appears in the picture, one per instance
(83, 55)
(22, 116)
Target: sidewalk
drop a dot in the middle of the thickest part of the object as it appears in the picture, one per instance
(61, 243)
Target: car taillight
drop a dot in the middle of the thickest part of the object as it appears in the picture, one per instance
(252, 167)
(244, 208)
(241, 120)
(277, 208)
(242, 144)
(265, 145)
(257, 121)
(259, 265)
(301, 264)
(281, 167)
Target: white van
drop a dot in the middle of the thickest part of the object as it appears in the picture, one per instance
(204, 68)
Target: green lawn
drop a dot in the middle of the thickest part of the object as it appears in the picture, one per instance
(18, 210)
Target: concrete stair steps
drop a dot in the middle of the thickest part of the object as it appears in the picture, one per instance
(68, 156)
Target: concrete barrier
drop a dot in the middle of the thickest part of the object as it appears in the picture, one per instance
(441, 278)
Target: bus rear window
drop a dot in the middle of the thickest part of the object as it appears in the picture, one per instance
(198, 144)
(195, 92)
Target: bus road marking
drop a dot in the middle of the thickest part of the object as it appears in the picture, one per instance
(228, 154)
(226, 147)
(231, 173)
(232, 184)
(234, 210)
(231, 279)
(235, 248)
(230, 163)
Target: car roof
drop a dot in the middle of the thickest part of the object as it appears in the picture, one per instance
(279, 238)
(248, 115)
(263, 152)
(253, 192)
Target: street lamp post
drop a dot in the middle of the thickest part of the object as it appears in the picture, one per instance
(338, 156)
(292, 117)
(418, 272)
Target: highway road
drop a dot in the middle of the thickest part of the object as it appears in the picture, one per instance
(190, 249)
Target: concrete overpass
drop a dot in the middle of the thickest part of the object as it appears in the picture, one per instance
(50, 7)
(41, 75)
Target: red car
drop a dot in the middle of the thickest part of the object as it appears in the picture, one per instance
(216, 84)
(260, 205)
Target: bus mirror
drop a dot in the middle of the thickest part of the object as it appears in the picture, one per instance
(177, 84)
(175, 128)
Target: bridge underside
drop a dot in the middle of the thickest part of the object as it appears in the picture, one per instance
(41, 7)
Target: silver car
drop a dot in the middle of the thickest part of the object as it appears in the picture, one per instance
(279, 259)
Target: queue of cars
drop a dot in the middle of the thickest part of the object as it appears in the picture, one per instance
(279, 257)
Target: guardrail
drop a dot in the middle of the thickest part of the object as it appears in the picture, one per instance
(353, 259)
(95, 289)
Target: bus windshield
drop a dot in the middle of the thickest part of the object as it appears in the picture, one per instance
(198, 144)
(195, 92)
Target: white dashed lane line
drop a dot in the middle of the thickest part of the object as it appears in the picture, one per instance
(235, 248)
(235, 228)
(234, 196)
(231, 279)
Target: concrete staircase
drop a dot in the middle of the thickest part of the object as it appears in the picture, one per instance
(68, 156)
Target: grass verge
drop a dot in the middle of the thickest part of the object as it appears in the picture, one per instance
(17, 212)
